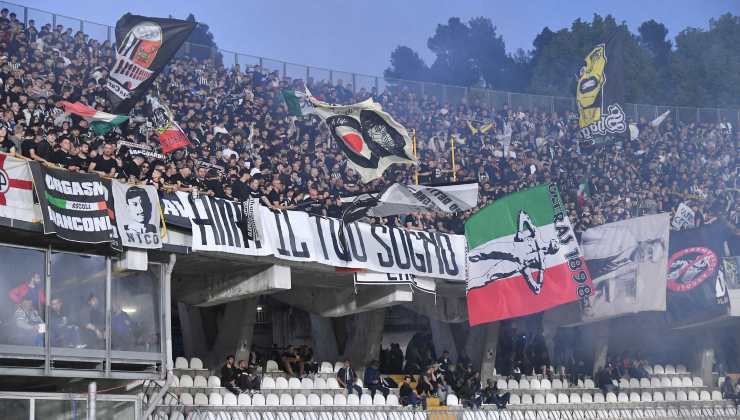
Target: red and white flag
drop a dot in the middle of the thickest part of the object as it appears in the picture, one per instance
(16, 189)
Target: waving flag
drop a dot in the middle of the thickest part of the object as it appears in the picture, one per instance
(523, 258)
(370, 138)
(16, 189)
(101, 122)
(171, 136)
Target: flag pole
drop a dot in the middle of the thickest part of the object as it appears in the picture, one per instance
(454, 166)
(413, 145)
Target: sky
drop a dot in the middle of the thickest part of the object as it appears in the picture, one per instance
(359, 35)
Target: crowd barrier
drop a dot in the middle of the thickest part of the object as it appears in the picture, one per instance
(446, 93)
(552, 412)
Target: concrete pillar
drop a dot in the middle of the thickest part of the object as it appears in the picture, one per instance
(704, 359)
(191, 325)
(234, 331)
(599, 333)
(324, 342)
(488, 356)
(443, 339)
(281, 328)
(364, 337)
(473, 344)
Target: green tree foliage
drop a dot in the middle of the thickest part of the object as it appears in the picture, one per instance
(702, 69)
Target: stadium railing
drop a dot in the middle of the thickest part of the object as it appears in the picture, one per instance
(445, 93)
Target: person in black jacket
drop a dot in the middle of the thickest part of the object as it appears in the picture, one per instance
(408, 395)
(373, 381)
(246, 379)
(347, 378)
(228, 375)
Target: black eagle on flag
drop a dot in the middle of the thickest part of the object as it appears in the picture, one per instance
(370, 138)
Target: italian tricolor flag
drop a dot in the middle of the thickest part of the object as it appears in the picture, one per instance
(523, 257)
(100, 122)
(61, 203)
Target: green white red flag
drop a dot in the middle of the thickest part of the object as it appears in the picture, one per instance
(523, 257)
(100, 122)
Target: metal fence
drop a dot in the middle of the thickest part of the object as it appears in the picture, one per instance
(59, 406)
(357, 81)
(667, 411)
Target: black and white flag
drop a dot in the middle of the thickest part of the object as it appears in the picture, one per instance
(404, 199)
(220, 225)
(370, 138)
(137, 215)
(423, 284)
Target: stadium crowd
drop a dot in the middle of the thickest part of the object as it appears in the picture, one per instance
(245, 144)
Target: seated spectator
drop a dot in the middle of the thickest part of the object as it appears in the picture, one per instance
(728, 389)
(408, 395)
(92, 322)
(290, 362)
(33, 288)
(246, 379)
(29, 328)
(254, 357)
(373, 381)
(604, 379)
(122, 329)
(492, 395)
(347, 377)
(63, 334)
(306, 355)
(229, 374)
(426, 386)
(395, 359)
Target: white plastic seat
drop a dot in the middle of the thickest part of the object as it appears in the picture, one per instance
(196, 363)
(200, 382)
(307, 383)
(286, 399)
(244, 400)
(545, 384)
(359, 383)
(534, 384)
(524, 383)
(658, 396)
(622, 397)
(214, 398)
(326, 367)
(634, 397)
(682, 396)
(214, 382)
(589, 383)
(658, 370)
(557, 384)
(392, 400)
(268, 383)
(299, 399)
(669, 369)
(319, 383)
(452, 400)
(169, 399)
(337, 366)
(549, 398)
(313, 400)
(186, 381)
(512, 384)
(229, 399)
(634, 383)
(649, 369)
(587, 398)
(177, 416)
(655, 382)
(670, 396)
(687, 382)
(562, 398)
(270, 400)
(281, 383)
(693, 395)
(610, 397)
(703, 396)
(716, 395)
(501, 384)
(174, 381)
(527, 399)
(365, 399)
(186, 398)
(272, 366)
(353, 399)
(665, 382)
(181, 363)
(698, 382)
(676, 382)
(340, 399)
(579, 383)
(681, 369)
(294, 383)
(623, 384)
(599, 398)
(332, 383)
(259, 399)
(238, 416)
(644, 383)
(379, 399)
(575, 398)
(515, 399)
